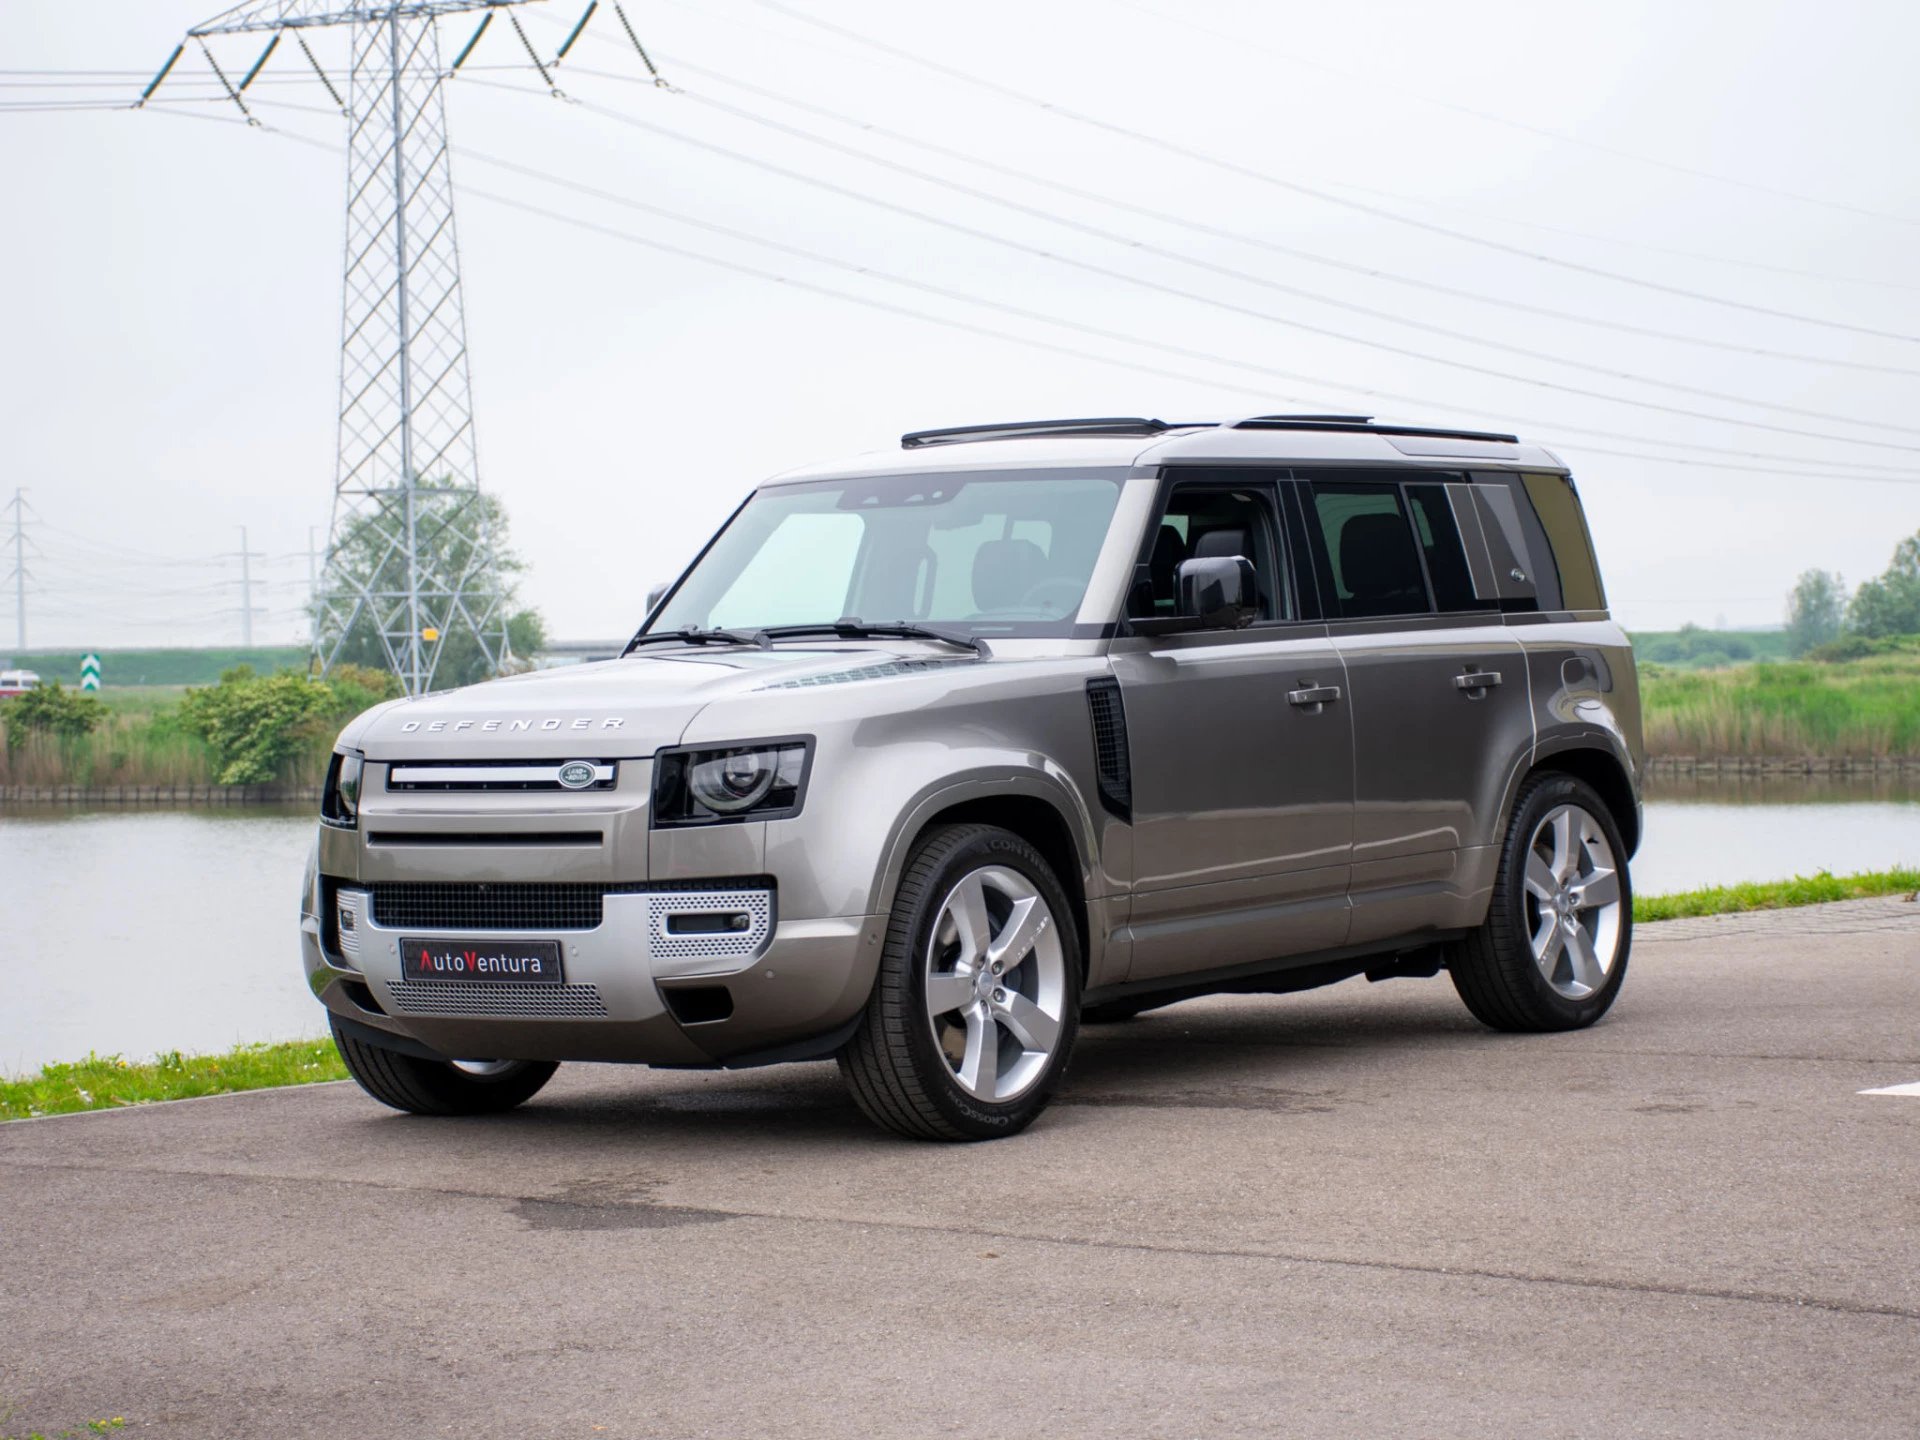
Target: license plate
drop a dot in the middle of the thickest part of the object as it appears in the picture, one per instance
(485, 962)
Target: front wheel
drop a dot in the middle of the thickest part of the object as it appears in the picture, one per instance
(1553, 951)
(976, 1005)
(440, 1087)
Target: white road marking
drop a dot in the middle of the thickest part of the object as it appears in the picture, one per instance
(1912, 1089)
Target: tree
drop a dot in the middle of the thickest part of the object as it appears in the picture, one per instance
(259, 726)
(1890, 604)
(51, 710)
(1816, 609)
(446, 537)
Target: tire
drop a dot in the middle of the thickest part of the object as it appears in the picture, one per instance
(918, 1066)
(438, 1087)
(1527, 968)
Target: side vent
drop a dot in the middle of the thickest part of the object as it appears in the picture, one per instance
(1111, 760)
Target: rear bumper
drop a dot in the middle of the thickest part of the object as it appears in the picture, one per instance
(637, 989)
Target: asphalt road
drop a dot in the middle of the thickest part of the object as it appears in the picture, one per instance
(1346, 1213)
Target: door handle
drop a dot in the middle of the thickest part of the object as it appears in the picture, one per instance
(1312, 697)
(1476, 680)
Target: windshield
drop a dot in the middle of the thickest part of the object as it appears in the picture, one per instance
(989, 553)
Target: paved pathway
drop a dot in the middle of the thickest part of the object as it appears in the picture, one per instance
(1346, 1213)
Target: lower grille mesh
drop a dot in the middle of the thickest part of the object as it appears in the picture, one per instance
(431, 905)
(555, 905)
(456, 997)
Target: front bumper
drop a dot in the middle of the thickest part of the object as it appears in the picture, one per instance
(639, 987)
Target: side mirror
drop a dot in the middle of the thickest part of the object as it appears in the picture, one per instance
(655, 596)
(1217, 591)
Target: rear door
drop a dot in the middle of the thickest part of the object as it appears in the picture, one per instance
(1242, 753)
(1441, 718)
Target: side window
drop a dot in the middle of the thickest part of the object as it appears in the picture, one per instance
(1368, 547)
(1437, 528)
(1211, 520)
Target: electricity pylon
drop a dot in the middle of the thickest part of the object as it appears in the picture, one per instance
(410, 553)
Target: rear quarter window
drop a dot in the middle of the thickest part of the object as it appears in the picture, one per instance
(1558, 507)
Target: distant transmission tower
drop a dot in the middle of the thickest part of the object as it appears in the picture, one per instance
(410, 556)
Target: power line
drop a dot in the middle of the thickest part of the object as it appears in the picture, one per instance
(1810, 467)
(1242, 276)
(1239, 40)
(1533, 223)
(545, 177)
(710, 14)
(1186, 222)
(1248, 172)
(1265, 393)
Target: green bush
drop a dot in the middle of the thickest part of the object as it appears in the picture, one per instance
(1693, 648)
(51, 710)
(257, 725)
(1864, 647)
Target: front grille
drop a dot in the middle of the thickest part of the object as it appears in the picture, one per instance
(438, 905)
(459, 997)
(496, 775)
(1112, 763)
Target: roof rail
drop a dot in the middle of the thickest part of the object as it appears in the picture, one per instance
(1364, 424)
(1016, 429)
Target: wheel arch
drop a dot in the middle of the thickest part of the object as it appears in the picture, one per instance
(1598, 766)
(1027, 810)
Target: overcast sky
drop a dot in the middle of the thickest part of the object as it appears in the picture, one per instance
(169, 364)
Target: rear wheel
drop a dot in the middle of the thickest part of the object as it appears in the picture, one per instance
(1553, 951)
(976, 1005)
(440, 1087)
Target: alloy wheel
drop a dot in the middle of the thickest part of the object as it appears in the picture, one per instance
(485, 1069)
(1573, 900)
(996, 983)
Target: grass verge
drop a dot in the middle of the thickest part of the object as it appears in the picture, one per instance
(107, 1082)
(1816, 889)
(92, 1427)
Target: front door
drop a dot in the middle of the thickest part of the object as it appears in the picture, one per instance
(1243, 756)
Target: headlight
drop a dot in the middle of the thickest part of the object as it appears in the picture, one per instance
(763, 781)
(340, 799)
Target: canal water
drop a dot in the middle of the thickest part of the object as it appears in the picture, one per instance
(136, 932)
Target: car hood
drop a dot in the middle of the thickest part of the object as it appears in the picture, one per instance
(612, 708)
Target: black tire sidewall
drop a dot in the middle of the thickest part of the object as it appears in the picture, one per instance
(981, 1119)
(433, 1087)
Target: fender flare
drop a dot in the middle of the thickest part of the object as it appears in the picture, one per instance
(1586, 740)
(1030, 777)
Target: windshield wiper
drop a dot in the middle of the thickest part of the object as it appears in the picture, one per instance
(694, 635)
(852, 627)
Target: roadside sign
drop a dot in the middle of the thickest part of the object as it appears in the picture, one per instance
(90, 672)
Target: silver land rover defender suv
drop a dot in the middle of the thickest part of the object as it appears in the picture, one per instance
(932, 756)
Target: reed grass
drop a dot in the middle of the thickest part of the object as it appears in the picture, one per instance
(1856, 709)
(141, 742)
(132, 747)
